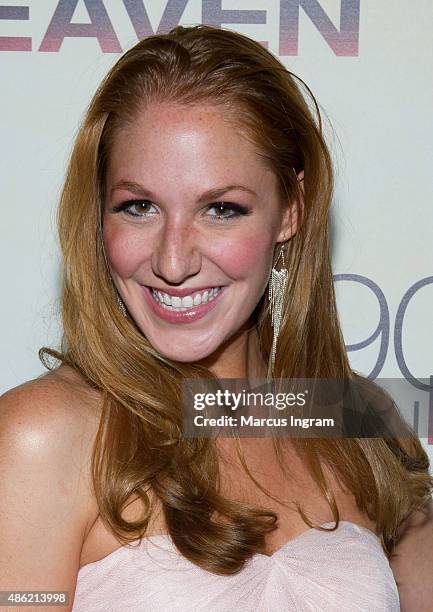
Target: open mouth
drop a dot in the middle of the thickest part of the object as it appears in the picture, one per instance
(182, 304)
(178, 310)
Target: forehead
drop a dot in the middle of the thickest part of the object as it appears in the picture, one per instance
(186, 143)
(161, 119)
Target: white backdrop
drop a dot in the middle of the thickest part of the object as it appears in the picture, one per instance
(369, 64)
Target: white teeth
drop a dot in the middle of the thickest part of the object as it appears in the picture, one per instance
(178, 304)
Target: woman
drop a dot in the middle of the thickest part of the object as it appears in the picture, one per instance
(199, 170)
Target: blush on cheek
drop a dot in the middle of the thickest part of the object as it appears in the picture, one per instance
(241, 258)
(124, 253)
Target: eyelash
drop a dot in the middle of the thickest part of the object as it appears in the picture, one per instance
(237, 208)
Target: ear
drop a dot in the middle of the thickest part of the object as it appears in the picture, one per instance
(293, 214)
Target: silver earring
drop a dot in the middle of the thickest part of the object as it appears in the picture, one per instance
(121, 306)
(277, 286)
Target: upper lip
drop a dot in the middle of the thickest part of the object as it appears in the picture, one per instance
(183, 292)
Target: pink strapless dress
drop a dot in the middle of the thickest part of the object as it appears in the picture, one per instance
(341, 571)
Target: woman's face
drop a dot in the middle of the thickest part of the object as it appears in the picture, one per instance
(172, 236)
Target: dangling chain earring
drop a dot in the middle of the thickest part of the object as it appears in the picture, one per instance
(121, 305)
(277, 286)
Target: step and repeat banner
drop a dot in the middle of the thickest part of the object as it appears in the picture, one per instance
(368, 63)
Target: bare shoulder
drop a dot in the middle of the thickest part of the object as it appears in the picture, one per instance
(412, 560)
(52, 418)
(47, 430)
(63, 383)
(56, 412)
(58, 399)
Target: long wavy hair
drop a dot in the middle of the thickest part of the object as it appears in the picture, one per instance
(139, 446)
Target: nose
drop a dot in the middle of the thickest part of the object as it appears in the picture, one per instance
(176, 256)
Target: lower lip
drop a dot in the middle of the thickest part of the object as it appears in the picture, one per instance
(186, 316)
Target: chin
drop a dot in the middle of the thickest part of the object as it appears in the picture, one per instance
(182, 355)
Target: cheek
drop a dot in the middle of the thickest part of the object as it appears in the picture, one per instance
(124, 250)
(248, 256)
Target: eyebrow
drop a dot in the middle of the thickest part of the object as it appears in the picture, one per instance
(211, 194)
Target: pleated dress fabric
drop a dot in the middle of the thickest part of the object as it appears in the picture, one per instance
(344, 570)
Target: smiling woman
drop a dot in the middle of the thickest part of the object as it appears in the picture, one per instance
(199, 163)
